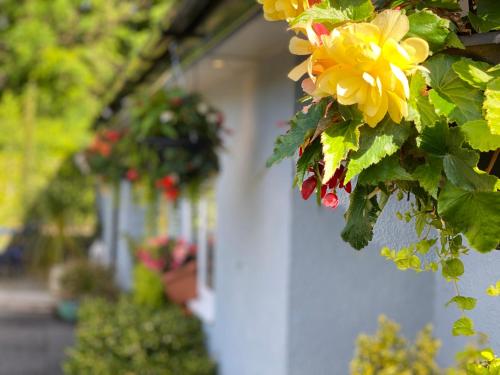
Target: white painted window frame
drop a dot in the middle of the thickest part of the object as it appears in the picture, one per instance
(203, 306)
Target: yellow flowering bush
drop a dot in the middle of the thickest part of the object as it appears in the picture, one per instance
(367, 64)
(387, 352)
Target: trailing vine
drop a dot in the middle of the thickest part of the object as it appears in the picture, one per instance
(389, 109)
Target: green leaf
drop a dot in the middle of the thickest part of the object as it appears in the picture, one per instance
(463, 327)
(356, 10)
(459, 164)
(338, 141)
(430, 27)
(429, 175)
(464, 303)
(451, 90)
(424, 246)
(301, 127)
(475, 214)
(487, 16)
(388, 169)
(375, 144)
(473, 72)
(445, 4)
(335, 12)
(459, 168)
(420, 109)
(360, 218)
(492, 105)
(453, 268)
(310, 156)
(478, 135)
(321, 13)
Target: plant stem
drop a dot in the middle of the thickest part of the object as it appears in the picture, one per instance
(493, 160)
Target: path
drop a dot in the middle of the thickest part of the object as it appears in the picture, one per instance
(32, 341)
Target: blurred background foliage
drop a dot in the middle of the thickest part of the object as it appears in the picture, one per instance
(58, 59)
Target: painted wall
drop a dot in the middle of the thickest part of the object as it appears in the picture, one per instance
(338, 292)
(254, 204)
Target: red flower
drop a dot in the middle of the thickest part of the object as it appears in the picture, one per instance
(324, 189)
(113, 135)
(348, 187)
(166, 182)
(132, 175)
(171, 194)
(331, 200)
(320, 29)
(308, 187)
(312, 2)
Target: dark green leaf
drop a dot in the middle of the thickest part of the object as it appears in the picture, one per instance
(487, 16)
(388, 169)
(301, 127)
(356, 10)
(430, 27)
(454, 98)
(310, 156)
(458, 167)
(475, 214)
(429, 175)
(445, 4)
(360, 218)
(375, 144)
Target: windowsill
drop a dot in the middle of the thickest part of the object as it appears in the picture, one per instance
(203, 307)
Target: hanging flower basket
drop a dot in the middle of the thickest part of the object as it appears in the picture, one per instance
(180, 283)
(392, 108)
(174, 135)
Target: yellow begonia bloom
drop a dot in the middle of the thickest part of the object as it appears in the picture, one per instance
(365, 64)
(278, 10)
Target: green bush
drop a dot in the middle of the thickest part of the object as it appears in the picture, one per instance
(81, 279)
(148, 287)
(124, 338)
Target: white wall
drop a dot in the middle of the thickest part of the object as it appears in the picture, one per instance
(338, 292)
(254, 206)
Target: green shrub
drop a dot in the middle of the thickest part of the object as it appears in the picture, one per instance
(81, 279)
(148, 287)
(124, 338)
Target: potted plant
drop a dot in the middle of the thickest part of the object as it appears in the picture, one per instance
(82, 279)
(175, 261)
(180, 278)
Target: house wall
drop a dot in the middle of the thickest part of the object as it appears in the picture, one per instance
(481, 270)
(253, 227)
(338, 292)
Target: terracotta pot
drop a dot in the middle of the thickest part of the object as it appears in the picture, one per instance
(180, 284)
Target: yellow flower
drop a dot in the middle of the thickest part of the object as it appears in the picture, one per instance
(278, 10)
(365, 64)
